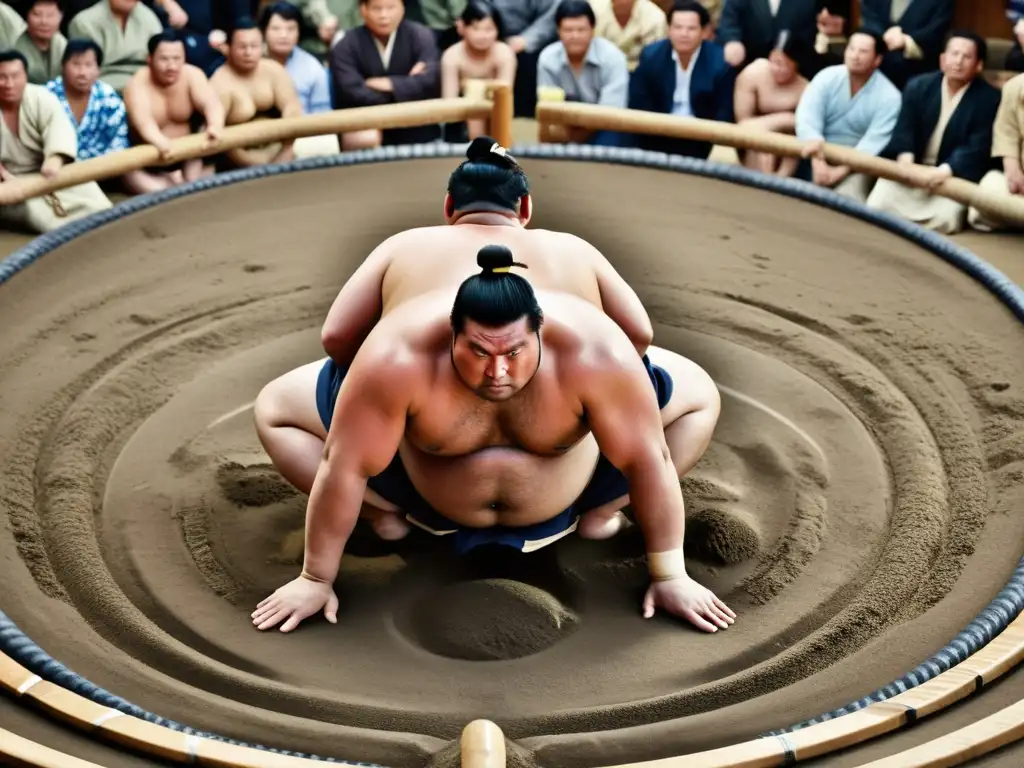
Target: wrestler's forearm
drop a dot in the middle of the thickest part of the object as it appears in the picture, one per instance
(657, 502)
(331, 515)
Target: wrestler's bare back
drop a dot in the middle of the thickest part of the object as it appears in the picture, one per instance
(484, 463)
(171, 106)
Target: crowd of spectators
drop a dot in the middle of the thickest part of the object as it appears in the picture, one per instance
(83, 78)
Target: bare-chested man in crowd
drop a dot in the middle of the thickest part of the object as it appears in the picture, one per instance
(253, 88)
(766, 96)
(491, 460)
(165, 100)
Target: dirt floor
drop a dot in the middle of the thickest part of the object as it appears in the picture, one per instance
(867, 387)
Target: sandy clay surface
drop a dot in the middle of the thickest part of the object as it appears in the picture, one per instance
(858, 506)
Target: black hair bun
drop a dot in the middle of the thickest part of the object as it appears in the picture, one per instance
(484, 149)
(493, 257)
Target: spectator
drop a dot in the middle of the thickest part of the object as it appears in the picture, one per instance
(749, 29)
(529, 28)
(442, 16)
(1007, 146)
(388, 60)
(200, 25)
(1015, 13)
(767, 94)
(41, 42)
(853, 105)
(913, 31)
(329, 20)
(630, 24)
(585, 68)
(93, 107)
(12, 25)
(685, 75)
(945, 123)
(280, 25)
(122, 28)
(482, 55)
(43, 142)
(167, 99)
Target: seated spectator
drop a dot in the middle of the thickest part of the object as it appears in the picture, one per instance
(93, 107)
(41, 42)
(853, 105)
(913, 31)
(685, 75)
(1007, 147)
(43, 141)
(388, 60)
(328, 20)
(714, 8)
(945, 123)
(630, 24)
(584, 68)
(12, 25)
(749, 29)
(1015, 13)
(767, 94)
(280, 26)
(529, 28)
(122, 28)
(167, 99)
(200, 25)
(480, 56)
(250, 88)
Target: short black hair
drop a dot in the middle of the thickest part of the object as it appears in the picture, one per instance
(165, 35)
(795, 47)
(286, 11)
(495, 296)
(478, 10)
(241, 24)
(30, 4)
(12, 55)
(77, 46)
(689, 6)
(573, 9)
(980, 45)
(880, 47)
(367, 2)
(489, 178)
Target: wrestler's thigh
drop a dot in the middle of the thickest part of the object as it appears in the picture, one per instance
(690, 383)
(290, 400)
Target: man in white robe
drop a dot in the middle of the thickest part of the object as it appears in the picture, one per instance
(945, 124)
(852, 105)
(1008, 149)
(36, 136)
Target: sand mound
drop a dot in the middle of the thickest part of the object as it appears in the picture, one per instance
(857, 506)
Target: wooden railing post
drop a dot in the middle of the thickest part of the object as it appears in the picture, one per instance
(502, 110)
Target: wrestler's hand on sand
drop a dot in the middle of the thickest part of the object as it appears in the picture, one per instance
(295, 601)
(686, 598)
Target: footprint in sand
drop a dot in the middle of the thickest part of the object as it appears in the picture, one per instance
(256, 485)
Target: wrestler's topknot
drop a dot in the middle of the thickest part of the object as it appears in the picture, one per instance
(495, 296)
(489, 179)
(496, 260)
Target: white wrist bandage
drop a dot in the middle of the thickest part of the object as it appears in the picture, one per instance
(666, 565)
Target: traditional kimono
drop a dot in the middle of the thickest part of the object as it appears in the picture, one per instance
(359, 56)
(124, 51)
(646, 25)
(1007, 141)
(44, 130)
(939, 128)
(43, 66)
(104, 126)
(864, 121)
(11, 26)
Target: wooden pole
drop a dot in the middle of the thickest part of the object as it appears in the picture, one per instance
(252, 134)
(482, 744)
(1008, 208)
(501, 113)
